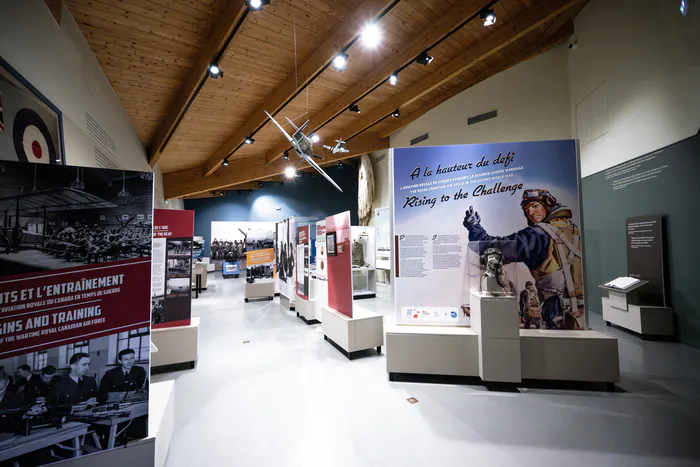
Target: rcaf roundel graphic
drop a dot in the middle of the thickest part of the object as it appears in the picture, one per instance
(32, 139)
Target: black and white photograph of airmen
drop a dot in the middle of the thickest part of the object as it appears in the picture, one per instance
(285, 253)
(179, 248)
(227, 250)
(259, 240)
(157, 310)
(179, 287)
(74, 400)
(54, 217)
(179, 267)
(259, 274)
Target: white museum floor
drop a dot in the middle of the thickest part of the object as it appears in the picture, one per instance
(269, 391)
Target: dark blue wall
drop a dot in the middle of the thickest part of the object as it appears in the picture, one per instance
(308, 196)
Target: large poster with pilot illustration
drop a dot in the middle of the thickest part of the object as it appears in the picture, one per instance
(452, 204)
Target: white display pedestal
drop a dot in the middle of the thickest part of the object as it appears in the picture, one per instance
(647, 321)
(178, 347)
(320, 288)
(161, 418)
(265, 291)
(365, 330)
(287, 302)
(431, 350)
(553, 355)
(306, 311)
(495, 321)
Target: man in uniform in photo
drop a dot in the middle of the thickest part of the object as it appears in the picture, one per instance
(125, 377)
(10, 405)
(39, 387)
(550, 246)
(76, 388)
(24, 373)
(531, 306)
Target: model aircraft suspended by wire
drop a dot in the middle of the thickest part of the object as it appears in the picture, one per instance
(303, 146)
(339, 147)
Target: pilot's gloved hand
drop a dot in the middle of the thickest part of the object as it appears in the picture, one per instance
(471, 218)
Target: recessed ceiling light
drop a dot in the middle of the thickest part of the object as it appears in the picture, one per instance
(257, 4)
(393, 79)
(371, 35)
(315, 138)
(340, 62)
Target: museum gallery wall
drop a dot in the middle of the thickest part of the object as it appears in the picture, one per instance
(171, 287)
(338, 251)
(519, 198)
(75, 264)
(285, 258)
(655, 184)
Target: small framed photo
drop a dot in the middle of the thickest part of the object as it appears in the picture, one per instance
(330, 244)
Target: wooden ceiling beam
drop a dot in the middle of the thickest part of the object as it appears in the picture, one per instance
(233, 16)
(551, 40)
(438, 30)
(308, 71)
(502, 37)
(190, 181)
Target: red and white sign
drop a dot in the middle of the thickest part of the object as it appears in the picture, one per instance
(340, 264)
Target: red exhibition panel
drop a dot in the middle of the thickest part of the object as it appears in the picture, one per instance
(172, 223)
(340, 264)
(302, 272)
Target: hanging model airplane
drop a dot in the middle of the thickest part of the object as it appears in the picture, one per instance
(339, 147)
(303, 146)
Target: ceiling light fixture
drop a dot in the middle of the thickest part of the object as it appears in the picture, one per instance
(371, 35)
(239, 192)
(354, 108)
(340, 62)
(393, 79)
(315, 138)
(290, 172)
(286, 155)
(214, 70)
(248, 140)
(257, 4)
(222, 193)
(396, 113)
(424, 59)
(250, 192)
(489, 17)
(260, 184)
(225, 163)
(340, 163)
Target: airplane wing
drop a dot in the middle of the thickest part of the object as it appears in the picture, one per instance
(320, 170)
(281, 129)
(328, 147)
(343, 150)
(291, 123)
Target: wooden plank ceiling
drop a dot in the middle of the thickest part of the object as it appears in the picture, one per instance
(154, 52)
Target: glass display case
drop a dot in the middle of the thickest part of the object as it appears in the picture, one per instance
(490, 273)
(364, 262)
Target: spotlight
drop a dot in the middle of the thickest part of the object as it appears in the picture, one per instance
(248, 140)
(286, 155)
(354, 108)
(257, 4)
(290, 172)
(371, 35)
(424, 59)
(213, 193)
(315, 138)
(340, 163)
(225, 163)
(340, 62)
(260, 184)
(250, 192)
(239, 192)
(222, 193)
(214, 70)
(686, 7)
(489, 17)
(393, 79)
(396, 113)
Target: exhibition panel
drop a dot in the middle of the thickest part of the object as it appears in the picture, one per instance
(260, 264)
(518, 199)
(171, 275)
(74, 295)
(339, 263)
(285, 260)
